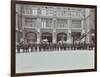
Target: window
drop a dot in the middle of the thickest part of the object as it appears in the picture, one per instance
(62, 12)
(62, 23)
(30, 22)
(43, 11)
(28, 10)
(77, 12)
(33, 22)
(34, 10)
(76, 24)
(43, 23)
(49, 11)
(46, 23)
(59, 11)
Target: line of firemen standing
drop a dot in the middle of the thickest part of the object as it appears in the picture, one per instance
(48, 46)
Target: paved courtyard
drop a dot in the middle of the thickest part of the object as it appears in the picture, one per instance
(49, 61)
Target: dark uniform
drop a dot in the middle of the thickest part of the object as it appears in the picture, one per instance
(35, 45)
(40, 46)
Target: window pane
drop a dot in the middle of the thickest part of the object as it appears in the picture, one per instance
(34, 10)
(30, 22)
(43, 11)
(62, 23)
(76, 24)
(46, 23)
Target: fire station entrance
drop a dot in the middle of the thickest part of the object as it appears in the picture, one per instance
(31, 37)
(47, 36)
(61, 36)
(75, 36)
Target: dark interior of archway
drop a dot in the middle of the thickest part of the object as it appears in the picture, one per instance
(61, 36)
(47, 36)
(31, 37)
(75, 36)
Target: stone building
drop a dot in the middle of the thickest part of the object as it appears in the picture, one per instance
(36, 22)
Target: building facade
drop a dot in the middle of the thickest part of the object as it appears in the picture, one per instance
(35, 23)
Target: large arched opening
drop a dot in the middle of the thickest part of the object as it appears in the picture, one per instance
(61, 37)
(75, 36)
(46, 35)
(31, 37)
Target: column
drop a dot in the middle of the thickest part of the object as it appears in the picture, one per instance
(38, 36)
(22, 20)
(54, 36)
(87, 24)
(23, 26)
(17, 21)
(38, 26)
(17, 30)
(69, 40)
(83, 30)
(88, 30)
(82, 26)
(54, 30)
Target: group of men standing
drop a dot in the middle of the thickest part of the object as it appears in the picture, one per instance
(48, 46)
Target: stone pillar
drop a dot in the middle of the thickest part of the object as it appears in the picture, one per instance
(23, 22)
(83, 30)
(16, 21)
(23, 26)
(87, 25)
(17, 30)
(69, 39)
(54, 36)
(38, 36)
(38, 26)
(88, 30)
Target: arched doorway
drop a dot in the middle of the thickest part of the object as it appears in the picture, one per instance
(75, 36)
(61, 36)
(31, 37)
(47, 36)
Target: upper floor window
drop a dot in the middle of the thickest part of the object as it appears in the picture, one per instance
(43, 11)
(34, 10)
(49, 11)
(46, 23)
(62, 11)
(76, 24)
(28, 10)
(76, 12)
(62, 23)
(30, 22)
(59, 11)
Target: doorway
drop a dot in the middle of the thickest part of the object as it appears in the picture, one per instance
(47, 36)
